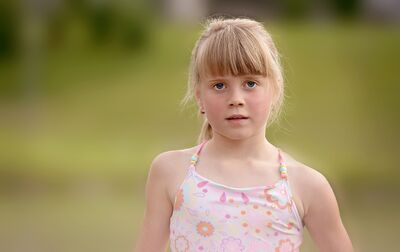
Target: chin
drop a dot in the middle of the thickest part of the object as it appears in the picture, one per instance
(238, 135)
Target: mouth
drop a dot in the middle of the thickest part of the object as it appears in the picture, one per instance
(237, 117)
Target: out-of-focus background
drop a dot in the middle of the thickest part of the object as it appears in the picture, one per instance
(90, 92)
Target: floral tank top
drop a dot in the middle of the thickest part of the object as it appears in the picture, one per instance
(209, 216)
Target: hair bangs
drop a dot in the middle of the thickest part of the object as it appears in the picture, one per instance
(232, 51)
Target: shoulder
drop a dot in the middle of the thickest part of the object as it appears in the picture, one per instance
(169, 168)
(308, 184)
(167, 162)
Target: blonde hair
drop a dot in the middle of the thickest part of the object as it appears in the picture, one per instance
(235, 46)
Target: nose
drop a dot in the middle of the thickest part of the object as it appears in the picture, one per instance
(236, 98)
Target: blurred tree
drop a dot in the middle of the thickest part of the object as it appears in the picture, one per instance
(346, 8)
(101, 20)
(295, 9)
(8, 29)
(134, 30)
(127, 24)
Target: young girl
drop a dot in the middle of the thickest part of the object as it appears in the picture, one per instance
(235, 191)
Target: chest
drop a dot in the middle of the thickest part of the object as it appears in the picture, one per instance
(214, 211)
(240, 175)
(236, 176)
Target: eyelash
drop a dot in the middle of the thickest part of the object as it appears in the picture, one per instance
(246, 83)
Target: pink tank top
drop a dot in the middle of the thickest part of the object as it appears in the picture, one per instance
(209, 216)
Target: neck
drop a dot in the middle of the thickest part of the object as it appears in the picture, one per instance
(252, 148)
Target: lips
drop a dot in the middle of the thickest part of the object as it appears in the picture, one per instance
(236, 117)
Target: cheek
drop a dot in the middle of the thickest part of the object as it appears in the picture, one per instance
(213, 106)
(260, 103)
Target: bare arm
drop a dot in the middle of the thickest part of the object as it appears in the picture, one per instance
(155, 227)
(323, 220)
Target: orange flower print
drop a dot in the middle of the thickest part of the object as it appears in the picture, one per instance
(285, 246)
(181, 244)
(278, 197)
(205, 228)
(178, 200)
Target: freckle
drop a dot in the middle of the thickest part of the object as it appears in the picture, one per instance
(231, 200)
(244, 224)
(257, 230)
(255, 206)
(269, 212)
(243, 212)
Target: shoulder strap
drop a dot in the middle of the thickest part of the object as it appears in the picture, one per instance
(195, 156)
(282, 168)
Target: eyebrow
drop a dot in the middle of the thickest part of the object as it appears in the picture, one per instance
(214, 80)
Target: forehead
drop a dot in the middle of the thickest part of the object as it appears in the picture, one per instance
(213, 78)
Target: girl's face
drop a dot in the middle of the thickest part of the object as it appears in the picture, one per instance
(222, 97)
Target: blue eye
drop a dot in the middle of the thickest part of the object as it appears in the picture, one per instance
(252, 84)
(219, 85)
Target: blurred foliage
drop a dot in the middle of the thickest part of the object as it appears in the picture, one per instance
(295, 9)
(81, 25)
(302, 9)
(8, 30)
(346, 8)
(129, 26)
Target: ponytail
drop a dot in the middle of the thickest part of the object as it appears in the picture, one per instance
(205, 133)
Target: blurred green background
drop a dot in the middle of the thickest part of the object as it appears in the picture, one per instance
(90, 92)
